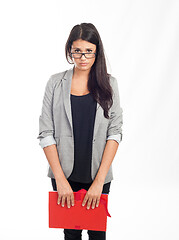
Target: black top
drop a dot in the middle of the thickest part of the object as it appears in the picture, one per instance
(83, 118)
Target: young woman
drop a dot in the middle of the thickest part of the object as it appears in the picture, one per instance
(80, 124)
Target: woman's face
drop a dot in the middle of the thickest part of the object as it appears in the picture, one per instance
(82, 46)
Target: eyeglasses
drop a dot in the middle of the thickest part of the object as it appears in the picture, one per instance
(79, 55)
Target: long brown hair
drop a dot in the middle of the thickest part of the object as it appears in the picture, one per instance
(99, 79)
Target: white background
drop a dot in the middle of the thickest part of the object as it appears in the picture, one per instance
(141, 45)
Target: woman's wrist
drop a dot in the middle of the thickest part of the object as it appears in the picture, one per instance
(60, 178)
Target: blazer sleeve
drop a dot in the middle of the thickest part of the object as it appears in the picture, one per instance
(116, 117)
(46, 125)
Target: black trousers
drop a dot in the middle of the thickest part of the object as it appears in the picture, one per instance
(74, 234)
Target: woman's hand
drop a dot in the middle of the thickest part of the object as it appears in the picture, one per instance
(93, 194)
(65, 193)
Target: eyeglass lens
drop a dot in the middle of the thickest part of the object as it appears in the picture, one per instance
(79, 55)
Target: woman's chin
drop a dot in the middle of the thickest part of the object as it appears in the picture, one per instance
(83, 68)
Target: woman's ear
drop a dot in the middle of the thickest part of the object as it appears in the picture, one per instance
(70, 58)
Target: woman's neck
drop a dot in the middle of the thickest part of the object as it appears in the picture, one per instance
(78, 74)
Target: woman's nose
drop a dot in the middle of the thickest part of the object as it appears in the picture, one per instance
(83, 57)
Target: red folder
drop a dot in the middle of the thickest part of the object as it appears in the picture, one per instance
(77, 216)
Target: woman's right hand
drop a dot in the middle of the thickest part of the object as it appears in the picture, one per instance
(65, 193)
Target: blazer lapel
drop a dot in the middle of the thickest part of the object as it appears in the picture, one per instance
(67, 102)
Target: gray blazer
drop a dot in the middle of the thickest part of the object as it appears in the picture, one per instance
(55, 124)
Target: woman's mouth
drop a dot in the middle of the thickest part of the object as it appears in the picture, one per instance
(83, 64)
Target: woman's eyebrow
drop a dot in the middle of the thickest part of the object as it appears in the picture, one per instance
(80, 48)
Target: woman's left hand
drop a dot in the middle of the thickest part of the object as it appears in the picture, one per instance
(93, 194)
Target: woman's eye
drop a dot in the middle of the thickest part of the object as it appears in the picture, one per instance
(76, 50)
(89, 50)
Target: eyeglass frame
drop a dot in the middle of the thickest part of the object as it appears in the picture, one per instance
(82, 55)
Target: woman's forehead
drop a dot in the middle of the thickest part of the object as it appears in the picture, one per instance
(82, 44)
